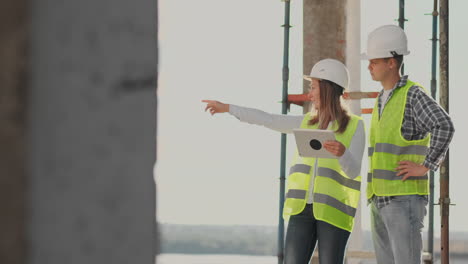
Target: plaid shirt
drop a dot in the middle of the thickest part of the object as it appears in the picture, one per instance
(422, 116)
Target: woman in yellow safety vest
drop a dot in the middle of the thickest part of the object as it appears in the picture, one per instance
(322, 194)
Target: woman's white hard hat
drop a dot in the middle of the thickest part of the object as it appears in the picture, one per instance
(331, 70)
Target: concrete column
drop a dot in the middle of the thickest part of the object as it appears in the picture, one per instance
(13, 90)
(324, 33)
(332, 30)
(93, 125)
(353, 51)
(353, 62)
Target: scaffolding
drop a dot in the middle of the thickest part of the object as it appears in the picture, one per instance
(440, 13)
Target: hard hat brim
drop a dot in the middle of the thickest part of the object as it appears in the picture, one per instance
(364, 56)
(309, 78)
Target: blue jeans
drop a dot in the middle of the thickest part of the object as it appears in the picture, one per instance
(397, 230)
(302, 235)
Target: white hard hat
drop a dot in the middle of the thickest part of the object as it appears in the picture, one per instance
(330, 70)
(386, 42)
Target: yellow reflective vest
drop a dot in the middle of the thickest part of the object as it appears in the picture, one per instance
(387, 147)
(335, 195)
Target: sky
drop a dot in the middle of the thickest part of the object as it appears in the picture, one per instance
(216, 170)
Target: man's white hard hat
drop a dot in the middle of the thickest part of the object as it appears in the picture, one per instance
(330, 70)
(385, 42)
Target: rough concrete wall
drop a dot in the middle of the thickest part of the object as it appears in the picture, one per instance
(324, 33)
(93, 124)
(329, 26)
(13, 65)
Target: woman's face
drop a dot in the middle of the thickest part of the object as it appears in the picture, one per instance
(314, 93)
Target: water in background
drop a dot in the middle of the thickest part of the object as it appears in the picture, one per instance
(214, 259)
(245, 259)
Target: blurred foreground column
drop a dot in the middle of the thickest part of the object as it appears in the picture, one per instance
(13, 90)
(92, 118)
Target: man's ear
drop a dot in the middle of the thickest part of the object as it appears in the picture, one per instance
(392, 63)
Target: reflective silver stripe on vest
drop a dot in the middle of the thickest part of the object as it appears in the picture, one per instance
(370, 151)
(332, 174)
(392, 176)
(296, 193)
(397, 150)
(369, 177)
(303, 168)
(328, 200)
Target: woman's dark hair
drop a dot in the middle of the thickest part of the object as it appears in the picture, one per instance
(330, 107)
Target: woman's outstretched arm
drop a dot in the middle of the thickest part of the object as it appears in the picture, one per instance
(280, 123)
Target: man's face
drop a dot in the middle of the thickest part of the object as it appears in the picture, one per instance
(314, 93)
(379, 69)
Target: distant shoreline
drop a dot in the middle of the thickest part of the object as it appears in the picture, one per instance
(257, 240)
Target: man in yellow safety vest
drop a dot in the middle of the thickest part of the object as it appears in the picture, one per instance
(409, 135)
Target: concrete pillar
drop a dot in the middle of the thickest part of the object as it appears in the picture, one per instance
(353, 62)
(13, 90)
(324, 33)
(353, 51)
(332, 30)
(93, 131)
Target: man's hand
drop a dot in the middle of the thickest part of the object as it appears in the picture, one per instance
(409, 169)
(334, 147)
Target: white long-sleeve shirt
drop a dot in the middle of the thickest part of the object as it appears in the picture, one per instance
(350, 161)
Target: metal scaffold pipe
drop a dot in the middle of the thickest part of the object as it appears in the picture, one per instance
(284, 110)
(444, 200)
(430, 238)
(401, 23)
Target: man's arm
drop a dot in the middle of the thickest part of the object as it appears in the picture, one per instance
(431, 117)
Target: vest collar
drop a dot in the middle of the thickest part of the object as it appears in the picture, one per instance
(402, 82)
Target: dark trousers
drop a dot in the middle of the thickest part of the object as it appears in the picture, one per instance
(302, 235)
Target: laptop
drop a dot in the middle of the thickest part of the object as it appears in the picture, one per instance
(309, 142)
